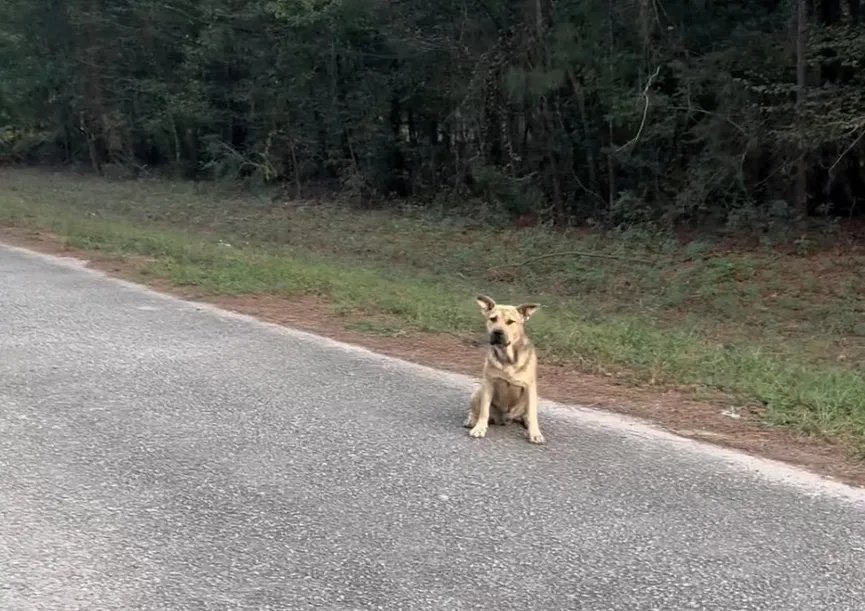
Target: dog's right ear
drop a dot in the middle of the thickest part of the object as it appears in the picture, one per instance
(485, 303)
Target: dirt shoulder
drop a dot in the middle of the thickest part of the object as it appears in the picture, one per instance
(709, 421)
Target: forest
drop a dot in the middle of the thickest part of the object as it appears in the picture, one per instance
(680, 113)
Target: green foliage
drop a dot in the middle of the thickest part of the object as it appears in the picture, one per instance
(618, 112)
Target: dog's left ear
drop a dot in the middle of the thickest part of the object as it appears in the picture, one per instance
(527, 309)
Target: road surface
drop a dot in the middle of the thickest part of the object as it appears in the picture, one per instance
(157, 454)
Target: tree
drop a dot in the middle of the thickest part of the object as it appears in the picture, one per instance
(620, 112)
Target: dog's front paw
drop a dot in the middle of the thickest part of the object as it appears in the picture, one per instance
(479, 430)
(536, 437)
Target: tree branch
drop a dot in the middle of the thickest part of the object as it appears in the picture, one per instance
(847, 150)
(645, 111)
(724, 118)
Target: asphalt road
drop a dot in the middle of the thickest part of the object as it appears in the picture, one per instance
(157, 454)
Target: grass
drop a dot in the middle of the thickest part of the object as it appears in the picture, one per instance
(780, 329)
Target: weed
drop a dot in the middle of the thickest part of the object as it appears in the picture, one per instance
(758, 325)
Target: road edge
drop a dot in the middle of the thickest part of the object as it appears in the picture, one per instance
(767, 469)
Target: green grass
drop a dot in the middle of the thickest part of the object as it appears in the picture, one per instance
(782, 330)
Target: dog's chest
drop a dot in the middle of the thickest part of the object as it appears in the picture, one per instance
(506, 395)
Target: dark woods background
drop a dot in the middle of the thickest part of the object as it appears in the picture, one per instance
(683, 112)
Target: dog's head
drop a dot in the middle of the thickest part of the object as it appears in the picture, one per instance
(505, 323)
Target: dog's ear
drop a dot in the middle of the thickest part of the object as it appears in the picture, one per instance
(527, 309)
(485, 302)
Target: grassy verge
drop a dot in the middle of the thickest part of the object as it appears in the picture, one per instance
(765, 327)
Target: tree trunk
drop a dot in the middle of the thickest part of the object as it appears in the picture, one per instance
(611, 161)
(801, 82)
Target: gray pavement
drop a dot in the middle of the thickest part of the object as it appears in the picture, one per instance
(157, 454)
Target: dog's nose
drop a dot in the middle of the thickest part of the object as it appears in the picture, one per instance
(496, 336)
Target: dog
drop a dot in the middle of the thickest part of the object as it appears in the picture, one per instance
(509, 389)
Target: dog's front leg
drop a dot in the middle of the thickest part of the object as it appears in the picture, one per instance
(531, 417)
(484, 398)
(474, 408)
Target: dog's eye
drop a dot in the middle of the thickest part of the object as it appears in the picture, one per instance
(493, 318)
(510, 322)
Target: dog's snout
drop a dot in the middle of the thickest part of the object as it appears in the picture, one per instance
(497, 336)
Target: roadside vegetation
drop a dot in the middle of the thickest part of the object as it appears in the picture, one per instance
(778, 328)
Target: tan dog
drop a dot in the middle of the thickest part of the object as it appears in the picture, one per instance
(509, 390)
